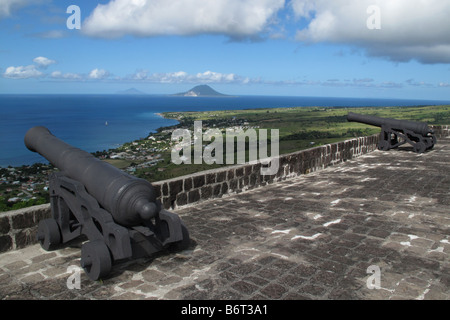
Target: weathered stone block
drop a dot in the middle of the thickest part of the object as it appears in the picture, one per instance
(294, 163)
(25, 237)
(166, 202)
(244, 181)
(206, 192)
(217, 189)
(274, 291)
(5, 243)
(187, 184)
(157, 189)
(199, 181)
(333, 148)
(175, 187)
(221, 176)
(224, 188)
(193, 196)
(172, 199)
(210, 178)
(253, 179)
(4, 225)
(165, 189)
(230, 174)
(233, 184)
(257, 168)
(41, 214)
(181, 199)
(23, 220)
(248, 170)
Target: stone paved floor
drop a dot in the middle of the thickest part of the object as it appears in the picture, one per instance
(311, 237)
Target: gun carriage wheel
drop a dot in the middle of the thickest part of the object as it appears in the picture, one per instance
(48, 234)
(420, 147)
(96, 259)
(383, 145)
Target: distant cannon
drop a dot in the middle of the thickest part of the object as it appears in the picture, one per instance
(118, 213)
(395, 133)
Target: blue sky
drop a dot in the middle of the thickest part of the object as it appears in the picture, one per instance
(339, 48)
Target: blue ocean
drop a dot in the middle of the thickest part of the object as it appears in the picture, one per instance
(102, 122)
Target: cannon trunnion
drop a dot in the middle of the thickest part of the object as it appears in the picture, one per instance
(395, 133)
(118, 213)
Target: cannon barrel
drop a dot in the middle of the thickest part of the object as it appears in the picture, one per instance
(417, 127)
(130, 200)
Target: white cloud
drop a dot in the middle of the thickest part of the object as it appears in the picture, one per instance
(217, 77)
(52, 34)
(355, 83)
(43, 62)
(66, 76)
(139, 75)
(22, 72)
(184, 77)
(415, 83)
(235, 18)
(410, 29)
(170, 77)
(302, 8)
(6, 6)
(98, 74)
(34, 71)
(31, 71)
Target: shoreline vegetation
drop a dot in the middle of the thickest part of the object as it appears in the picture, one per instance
(150, 158)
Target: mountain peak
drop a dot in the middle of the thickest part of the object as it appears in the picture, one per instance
(201, 91)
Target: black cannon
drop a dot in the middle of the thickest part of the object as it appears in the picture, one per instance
(118, 213)
(395, 133)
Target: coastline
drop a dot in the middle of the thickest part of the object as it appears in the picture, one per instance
(113, 147)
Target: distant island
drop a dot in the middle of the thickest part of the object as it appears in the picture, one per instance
(131, 91)
(201, 91)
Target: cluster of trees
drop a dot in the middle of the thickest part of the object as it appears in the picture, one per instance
(34, 169)
(7, 206)
(187, 122)
(441, 117)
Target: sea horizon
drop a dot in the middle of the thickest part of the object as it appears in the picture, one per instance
(174, 95)
(96, 122)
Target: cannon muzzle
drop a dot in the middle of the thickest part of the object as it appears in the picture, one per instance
(129, 200)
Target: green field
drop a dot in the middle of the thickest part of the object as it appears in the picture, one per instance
(300, 128)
